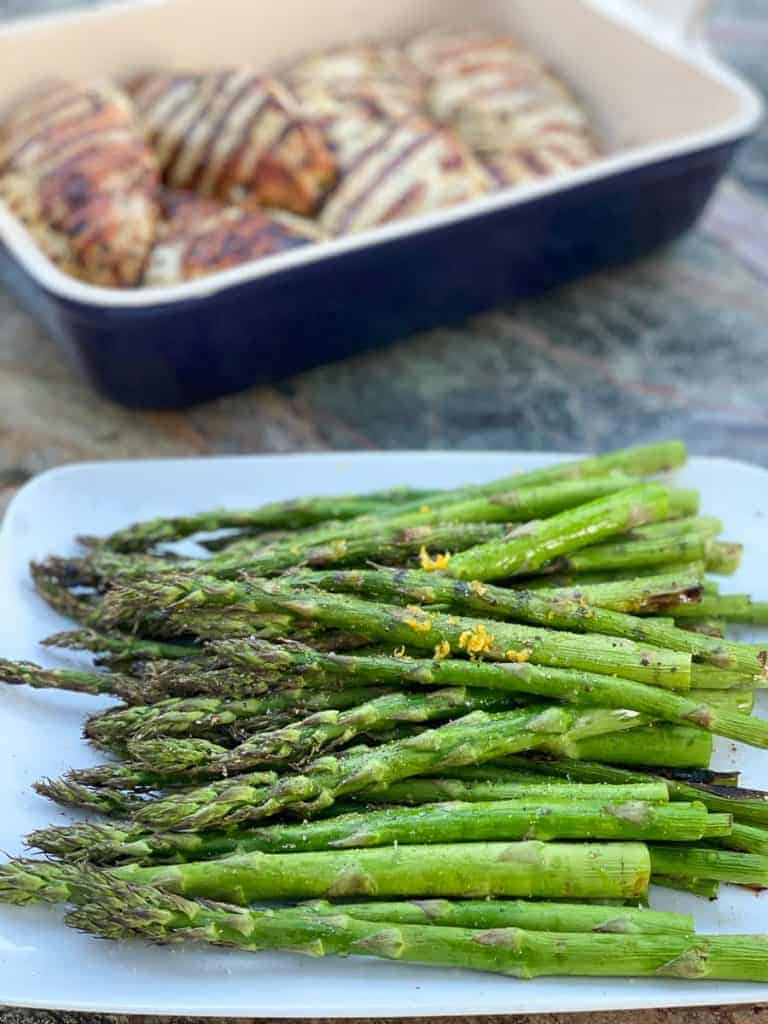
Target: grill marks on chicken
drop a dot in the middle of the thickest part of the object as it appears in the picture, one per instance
(75, 168)
(505, 103)
(353, 137)
(198, 236)
(236, 135)
(414, 166)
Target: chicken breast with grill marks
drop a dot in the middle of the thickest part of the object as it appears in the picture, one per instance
(75, 168)
(235, 135)
(505, 103)
(413, 167)
(199, 236)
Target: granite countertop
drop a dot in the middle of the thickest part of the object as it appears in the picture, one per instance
(672, 346)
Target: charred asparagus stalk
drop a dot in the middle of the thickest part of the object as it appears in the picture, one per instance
(640, 594)
(413, 626)
(425, 588)
(746, 805)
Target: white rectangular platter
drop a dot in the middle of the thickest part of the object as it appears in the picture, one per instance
(42, 964)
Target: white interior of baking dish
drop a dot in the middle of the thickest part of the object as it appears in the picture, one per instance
(653, 92)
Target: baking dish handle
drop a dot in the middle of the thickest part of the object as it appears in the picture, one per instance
(682, 20)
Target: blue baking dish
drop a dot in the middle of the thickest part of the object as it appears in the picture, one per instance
(672, 117)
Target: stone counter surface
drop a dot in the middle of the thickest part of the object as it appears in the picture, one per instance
(673, 346)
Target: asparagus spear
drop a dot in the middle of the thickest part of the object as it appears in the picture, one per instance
(203, 716)
(746, 805)
(734, 699)
(121, 646)
(451, 505)
(480, 736)
(554, 818)
(660, 745)
(103, 801)
(114, 802)
(560, 684)
(427, 588)
(325, 729)
(88, 610)
(101, 842)
(535, 916)
(709, 677)
(515, 787)
(729, 607)
(747, 838)
(704, 887)
(144, 691)
(26, 673)
(568, 531)
(425, 824)
(516, 505)
(304, 511)
(641, 594)
(529, 868)
(170, 761)
(645, 553)
(640, 460)
(708, 527)
(683, 861)
(511, 951)
(83, 608)
(386, 544)
(330, 728)
(724, 558)
(412, 626)
(706, 627)
(389, 538)
(292, 515)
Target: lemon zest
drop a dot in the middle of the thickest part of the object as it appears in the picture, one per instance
(442, 650)
(430, 564)
(517, 655)
(476, 641)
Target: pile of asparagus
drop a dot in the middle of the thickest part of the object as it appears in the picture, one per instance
(487, 712)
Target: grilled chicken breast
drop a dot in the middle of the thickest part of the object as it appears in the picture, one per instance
(75, 168)
(199, 235)
(412, 167)
(505, 103)
(235, 135)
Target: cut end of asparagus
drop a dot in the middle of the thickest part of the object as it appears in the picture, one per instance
(724, 557)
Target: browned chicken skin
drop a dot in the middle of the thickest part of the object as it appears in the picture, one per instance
(236, 135)
(76, 170)
(199, 235)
